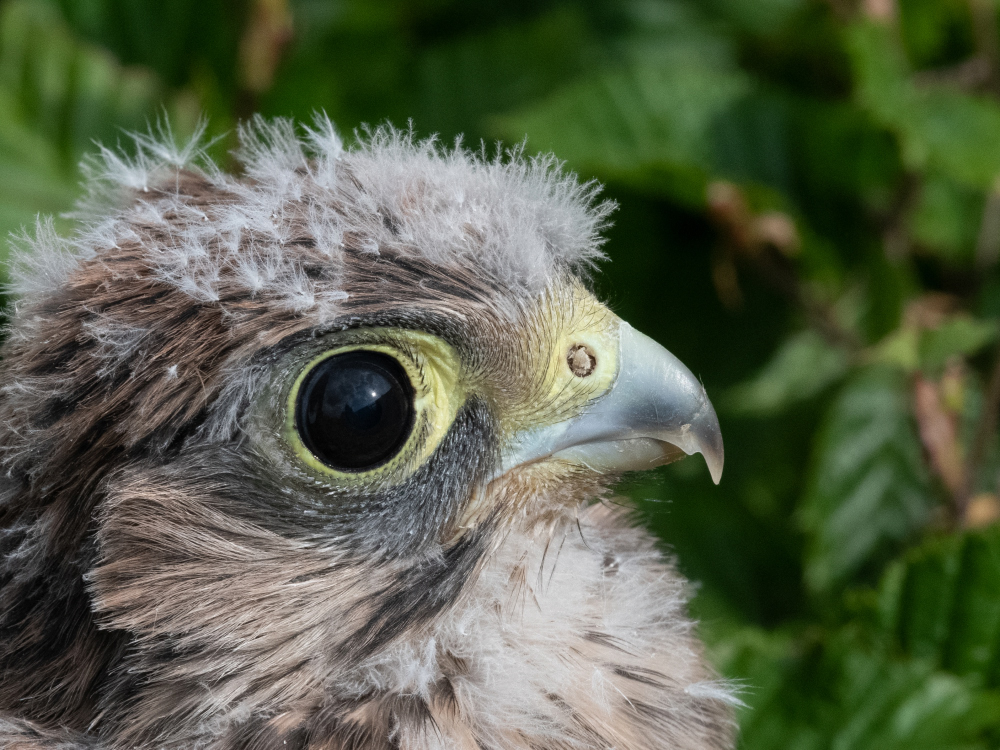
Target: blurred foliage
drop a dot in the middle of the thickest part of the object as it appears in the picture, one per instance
(810, 218)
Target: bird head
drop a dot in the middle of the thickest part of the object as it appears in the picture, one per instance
(257, 429)
(438, 421)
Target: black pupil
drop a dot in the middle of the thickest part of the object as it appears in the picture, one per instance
(355, 410)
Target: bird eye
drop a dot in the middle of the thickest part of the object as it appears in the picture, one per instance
(355, 410)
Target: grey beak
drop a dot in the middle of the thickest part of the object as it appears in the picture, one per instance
(655, 412)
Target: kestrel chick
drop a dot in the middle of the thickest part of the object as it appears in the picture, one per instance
(312, 457)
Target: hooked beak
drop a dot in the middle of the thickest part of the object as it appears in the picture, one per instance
(655, 412)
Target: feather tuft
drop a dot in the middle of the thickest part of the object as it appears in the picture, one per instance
(518, 220)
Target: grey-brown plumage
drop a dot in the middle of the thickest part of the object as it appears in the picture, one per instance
(178, 571)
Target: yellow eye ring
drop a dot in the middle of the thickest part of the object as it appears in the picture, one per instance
(431, 369)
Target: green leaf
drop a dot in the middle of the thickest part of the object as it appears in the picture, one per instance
(901, 349)
(672, 33)
(939, 128)
(463, 81)
(762, 17)
(880, 72)
(868, 489)
(840, 150)
(174, 38)
(960, 335)
(930, 349)
(645, 126)
(675, 110)
(58, 96)
(942, 603)
(32, 178)
(803, 366)
(946, 218)
(936, 32)
(832, 691)
(958, 134)
(67, 91)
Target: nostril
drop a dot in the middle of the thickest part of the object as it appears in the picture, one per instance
(581, 360)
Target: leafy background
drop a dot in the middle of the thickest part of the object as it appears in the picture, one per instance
(810, 218)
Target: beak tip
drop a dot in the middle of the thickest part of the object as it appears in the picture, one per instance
(711, 449)
(715, 462)
(671, 388)
(710, 443)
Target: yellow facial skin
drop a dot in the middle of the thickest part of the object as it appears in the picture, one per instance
(548, 391)
(435, 373)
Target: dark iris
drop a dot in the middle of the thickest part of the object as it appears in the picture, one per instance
(355, 410)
